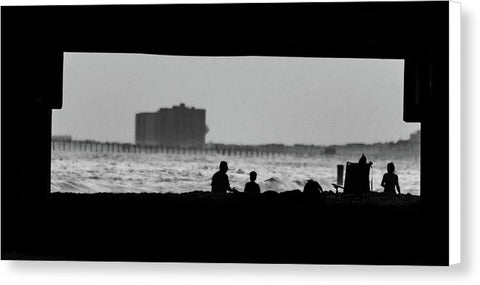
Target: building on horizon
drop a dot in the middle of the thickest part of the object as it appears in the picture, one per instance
(415, 137)
(177, 126)
(66, 138)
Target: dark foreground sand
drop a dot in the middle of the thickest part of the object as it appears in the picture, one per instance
(290, 200)
(271, 227)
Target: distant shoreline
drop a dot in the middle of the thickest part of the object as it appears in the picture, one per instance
(401, 148)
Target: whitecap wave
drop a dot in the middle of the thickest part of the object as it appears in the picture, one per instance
(92, 172)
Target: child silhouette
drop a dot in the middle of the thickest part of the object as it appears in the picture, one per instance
(252, 187)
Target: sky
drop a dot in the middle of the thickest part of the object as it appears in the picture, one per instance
(248, 100)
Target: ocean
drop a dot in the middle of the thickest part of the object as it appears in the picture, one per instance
(91, 172)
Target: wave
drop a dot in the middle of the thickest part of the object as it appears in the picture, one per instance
(278, 184)
(92, 173)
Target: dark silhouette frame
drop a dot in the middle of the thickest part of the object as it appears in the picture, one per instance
(34, 39)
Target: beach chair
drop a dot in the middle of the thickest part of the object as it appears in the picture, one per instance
(356, 179)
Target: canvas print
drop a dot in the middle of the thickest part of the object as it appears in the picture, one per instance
(254, 142)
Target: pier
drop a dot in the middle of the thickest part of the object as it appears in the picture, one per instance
(208, 149)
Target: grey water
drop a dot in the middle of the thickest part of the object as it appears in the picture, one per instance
(87, 172)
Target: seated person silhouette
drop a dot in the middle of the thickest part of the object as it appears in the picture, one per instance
(390, 180)
(312, 187)
(363, 160)
(252, 187)
(220, 183)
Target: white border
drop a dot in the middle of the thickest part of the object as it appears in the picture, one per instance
(454, 129)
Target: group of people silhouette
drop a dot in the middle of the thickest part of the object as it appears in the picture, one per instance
(221, 184)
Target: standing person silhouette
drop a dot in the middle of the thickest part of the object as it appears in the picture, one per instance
(390, 180)
(252, 187)
(220, 183)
